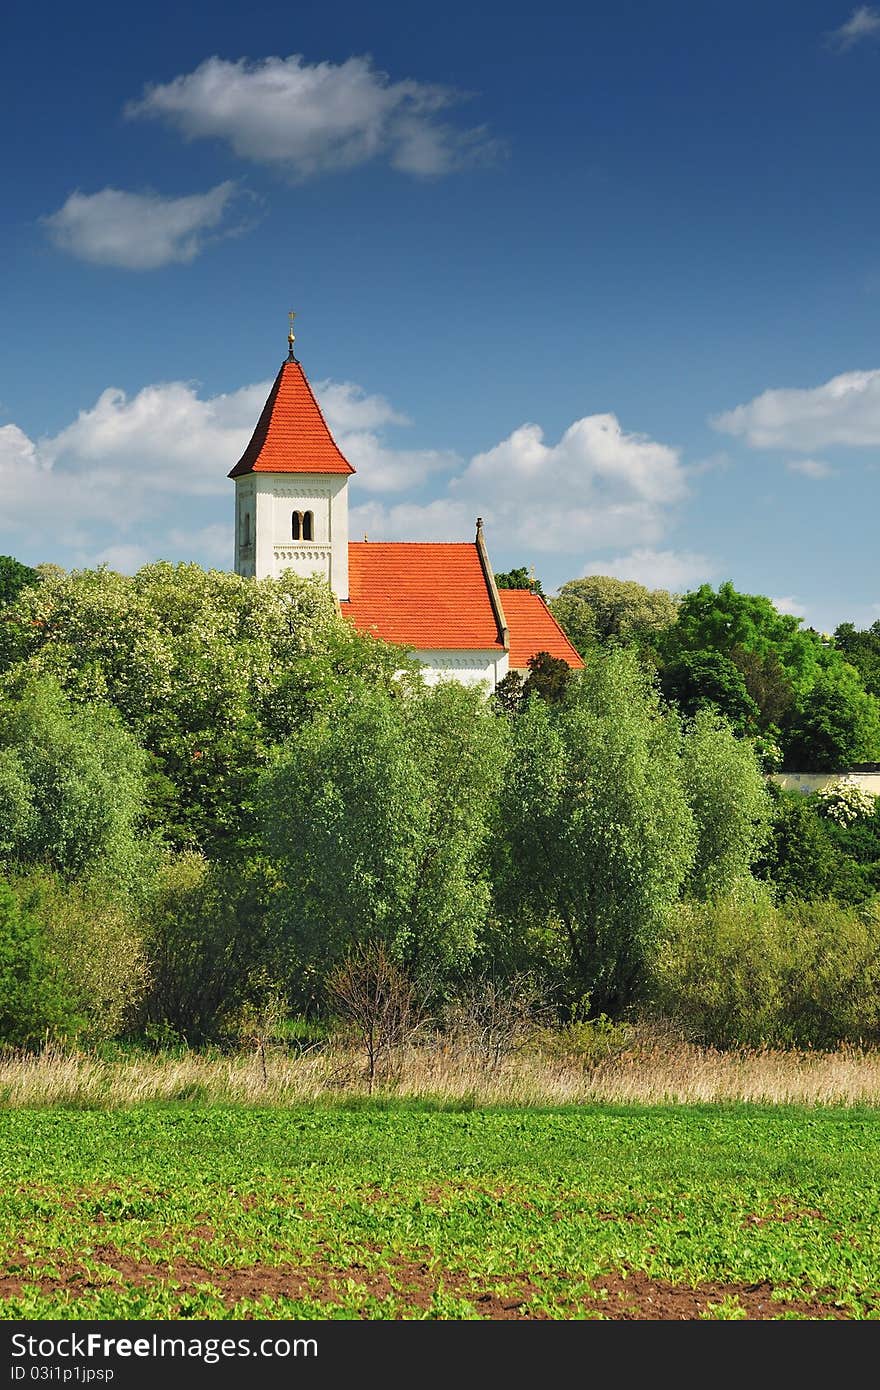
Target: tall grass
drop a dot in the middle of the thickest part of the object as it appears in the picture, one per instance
(650, 1069)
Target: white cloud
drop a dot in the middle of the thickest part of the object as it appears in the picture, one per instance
(810, 468)
(140, 231)
(440, 520)
(140, 472)
(347, 406)
(863, 23)
(314, 118)
(164, 439)
(355, 420)
(597, 486)
(845, 410)
(658, 569)
(158, 460)
(789, 603)
(214, 543)
(141, 476)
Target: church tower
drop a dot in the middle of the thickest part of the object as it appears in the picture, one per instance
(291, 488)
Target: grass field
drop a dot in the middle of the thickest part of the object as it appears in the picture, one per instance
(400, 1210)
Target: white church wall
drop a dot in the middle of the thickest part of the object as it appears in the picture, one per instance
(469, 667)
(270, 499)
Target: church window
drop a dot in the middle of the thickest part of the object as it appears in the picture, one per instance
(308, 527)
(246, 529)
(296, 526)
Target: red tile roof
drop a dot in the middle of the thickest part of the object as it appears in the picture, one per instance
(533, 629)
(291, 435)
(421, 594)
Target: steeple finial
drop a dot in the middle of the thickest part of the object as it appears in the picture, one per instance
(291, 338)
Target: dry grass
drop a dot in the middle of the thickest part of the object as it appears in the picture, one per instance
(650, 1070)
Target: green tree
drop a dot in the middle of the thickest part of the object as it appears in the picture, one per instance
(548, 678)
(734, 623)
(14, 576)
(835, 724)
(599, 610)
(861, 650)
(730, 804)
(71, 784)
(521, 578)
(201, 666)
(209, 946)
(595, 836)
(377, 818)
(701, 680)
(92, 950)
(802, 857)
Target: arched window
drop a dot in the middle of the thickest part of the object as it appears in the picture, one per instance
(296, 526)
(246, 529)
(308, 530)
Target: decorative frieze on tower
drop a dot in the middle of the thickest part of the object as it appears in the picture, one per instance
(291, 488)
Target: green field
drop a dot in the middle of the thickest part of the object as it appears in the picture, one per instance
(399, 1211)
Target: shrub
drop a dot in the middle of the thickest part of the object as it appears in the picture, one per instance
(92, 948)
(30, 1004)
(379, 1005)
(743, 971)
(845, 802)
(207, 944)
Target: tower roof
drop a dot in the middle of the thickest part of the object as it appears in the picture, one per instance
(292, 435)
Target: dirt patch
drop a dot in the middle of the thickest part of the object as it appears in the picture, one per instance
(635, 1296)
(621, 1295)
(784, 1214)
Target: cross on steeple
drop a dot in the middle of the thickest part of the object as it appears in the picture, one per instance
(291, 337)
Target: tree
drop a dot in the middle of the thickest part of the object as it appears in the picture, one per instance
(508, 694)
(521, 578)
(206, 669)
(548, 677)
(376, 820)
(861, 650)
(825, 716)
(599, 609)
(766, 683)
(209, 945)
(14, 576)
(71, 784)
(701, 680)
(802, 858)
(728, 798)
(835, 724)
(734, 623)
(595, 836)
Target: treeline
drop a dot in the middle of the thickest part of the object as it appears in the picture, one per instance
(212, 791)
(811, 701)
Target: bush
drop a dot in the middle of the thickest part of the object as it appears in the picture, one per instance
(811, 856)
(31, 1006)
(207, 945)
(92, 949)
(743, 971)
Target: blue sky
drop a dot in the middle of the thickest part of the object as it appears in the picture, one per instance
(607, 275)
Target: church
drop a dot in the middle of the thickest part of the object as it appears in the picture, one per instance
(437, 598)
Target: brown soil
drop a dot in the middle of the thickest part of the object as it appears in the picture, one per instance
(622, 1295)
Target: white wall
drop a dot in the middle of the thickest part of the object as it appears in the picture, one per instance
(271, 499)
(808, 782)
(469, 667)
